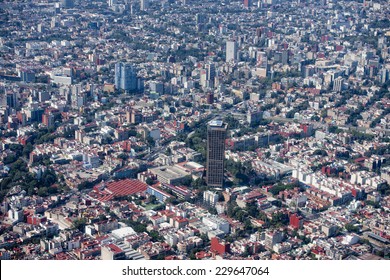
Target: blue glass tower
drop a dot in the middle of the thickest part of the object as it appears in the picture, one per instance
(125, 76)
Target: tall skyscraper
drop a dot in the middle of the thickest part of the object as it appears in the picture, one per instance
(144, 5)
(247, 3)
(210, 68)
(231, 51)
(125, 76)
(216, 135)
(338, 84)
(112, 2)
(384, 75)
(207, 76)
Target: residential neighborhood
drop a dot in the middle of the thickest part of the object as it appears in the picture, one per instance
(194, 130)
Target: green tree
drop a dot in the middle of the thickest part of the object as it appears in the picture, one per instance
(152, 199)
(149, 181)
(123, 156)
(186, 181)
(48, 177)
(27, 149)
(156, 236)
(351, 228)
(79, 224)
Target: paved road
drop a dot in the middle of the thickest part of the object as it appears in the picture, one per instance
(322, 125)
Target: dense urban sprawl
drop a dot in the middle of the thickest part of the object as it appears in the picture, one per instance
(187, 129)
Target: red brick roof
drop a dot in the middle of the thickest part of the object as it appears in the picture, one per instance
(114, 248)
(126, 187)
(119, 188)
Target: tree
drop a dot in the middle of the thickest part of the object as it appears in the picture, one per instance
(252, 209)
(279, 219)
(172, 200)
(10, 159)
(198, 183)
(168, 152)
(132, 133)
(48, 177)
(85, 185)
(139, 228)
(150, 141)
(152, 199)
(79, 224)
(334, 129)
(232, 122)
(43, 191)
(320, 152)
(186, 181)
(351, 228)
(28, 149)
(123, 156)
(149, 181)
(156, 236)
(5, 183)
(278, 188)
(315, 118)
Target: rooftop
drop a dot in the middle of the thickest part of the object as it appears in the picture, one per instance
(218, 123)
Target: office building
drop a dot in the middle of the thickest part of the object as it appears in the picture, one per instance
(216, 135)
(27, 76)
(231, 51)
(11, 100)
(125, 77)
(210, 198)
(200, 19)
(247, 3)
(144, 5)
(384, 75)
(171, 175)
(160, 195)
(48, 120)
(338, 84)
(215, 222)
(67, 4)
(210, 71)
(112, 3)
(254, 117)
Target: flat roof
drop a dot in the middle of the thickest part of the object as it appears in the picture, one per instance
(122, 232)
(218, 123)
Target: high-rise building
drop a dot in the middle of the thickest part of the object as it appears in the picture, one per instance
(11, 100)
(210, 68)
(261, 58)
(207, 76)
(112, 2)
(231, 51)
(67, 4)
(203, 78)
(210, 198)
(384, 75)
(200, 18)
(144, 5)
(48, 120)
(216, 135)
(247, 3)
(338, 84)
(125, 76)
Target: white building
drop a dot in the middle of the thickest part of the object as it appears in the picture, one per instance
(210, 197)
(144, 5)
(216, 223)
(231, 51)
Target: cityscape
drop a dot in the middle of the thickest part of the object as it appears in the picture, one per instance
(194, 130)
